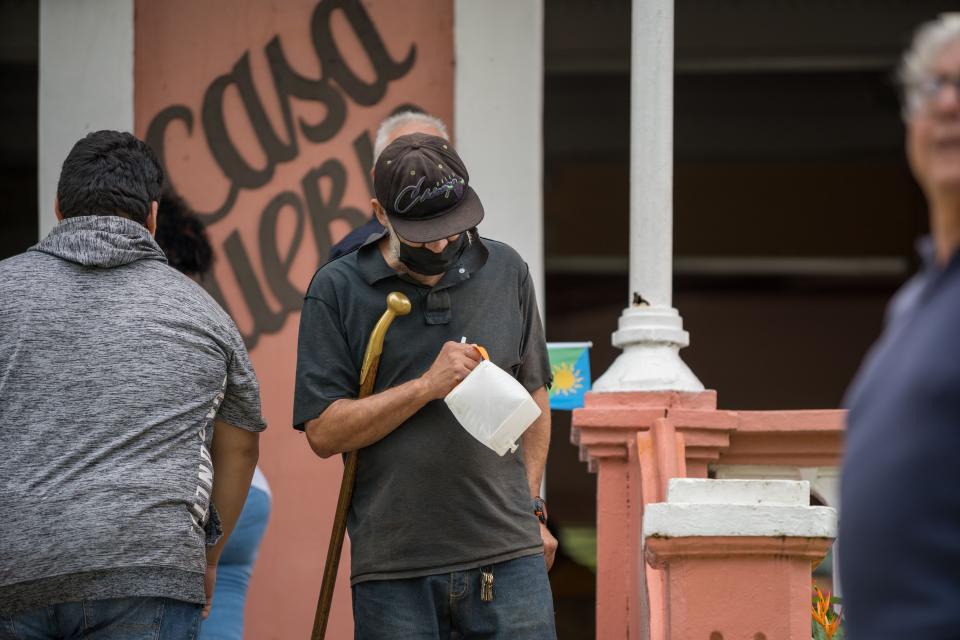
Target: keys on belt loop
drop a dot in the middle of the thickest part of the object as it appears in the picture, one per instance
(486, 584)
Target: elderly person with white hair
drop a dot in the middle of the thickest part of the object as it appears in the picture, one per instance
(900, 523)
(391, 128)
(448, 539)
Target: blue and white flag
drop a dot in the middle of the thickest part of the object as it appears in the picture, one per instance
(570, 364)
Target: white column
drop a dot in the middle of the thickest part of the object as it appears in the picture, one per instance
(86, 82)
(825, 481)
(650, 330)
(498, 119)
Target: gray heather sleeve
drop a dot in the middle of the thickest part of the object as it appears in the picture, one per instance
(241, 398)
(534, 369)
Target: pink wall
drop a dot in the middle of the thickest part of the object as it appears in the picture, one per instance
(270, 238)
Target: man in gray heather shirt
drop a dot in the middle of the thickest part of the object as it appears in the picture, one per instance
(128, 406)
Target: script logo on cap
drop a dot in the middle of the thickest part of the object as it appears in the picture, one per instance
(416, 195)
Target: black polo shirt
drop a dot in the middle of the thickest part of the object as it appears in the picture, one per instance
(429, 498)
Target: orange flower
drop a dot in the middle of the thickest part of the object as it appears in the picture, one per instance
(824, 615)
(817, 615)
(831, 627)
(822, 606)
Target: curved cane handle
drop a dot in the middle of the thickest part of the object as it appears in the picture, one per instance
(397, 305)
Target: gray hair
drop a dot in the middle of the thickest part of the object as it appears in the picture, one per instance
(928, 41)
(403, 118)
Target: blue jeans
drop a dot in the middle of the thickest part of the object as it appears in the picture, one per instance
(113, 619)
(225, 621)
(448, 605)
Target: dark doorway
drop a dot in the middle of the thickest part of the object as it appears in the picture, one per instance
(19, 45)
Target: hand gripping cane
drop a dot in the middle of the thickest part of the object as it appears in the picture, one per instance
(397, 305)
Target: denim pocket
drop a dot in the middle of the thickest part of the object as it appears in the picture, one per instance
(142, 618)
(129, 618)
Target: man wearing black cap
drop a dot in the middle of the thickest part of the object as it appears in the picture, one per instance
(437, 518)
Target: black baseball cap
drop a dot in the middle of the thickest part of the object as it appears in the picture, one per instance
(424, 187)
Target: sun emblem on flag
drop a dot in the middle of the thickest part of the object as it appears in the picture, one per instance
(566, 379)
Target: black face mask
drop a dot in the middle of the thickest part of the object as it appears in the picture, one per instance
(425, 262)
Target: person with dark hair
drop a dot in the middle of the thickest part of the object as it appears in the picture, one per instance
(183, 239)
(110, 173)
(128, 406)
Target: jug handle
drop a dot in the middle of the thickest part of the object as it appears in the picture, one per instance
(483, 352)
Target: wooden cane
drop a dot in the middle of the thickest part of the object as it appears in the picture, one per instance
(397, 305)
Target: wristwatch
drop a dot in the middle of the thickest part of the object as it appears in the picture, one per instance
(540, 509)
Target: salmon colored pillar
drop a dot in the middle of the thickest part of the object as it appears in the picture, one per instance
(738, 556)
(606, 431)
(629, 441)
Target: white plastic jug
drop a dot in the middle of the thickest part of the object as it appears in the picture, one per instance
(492, 406)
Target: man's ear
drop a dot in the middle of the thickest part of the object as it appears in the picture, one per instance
(152, 218)
(56, 208)
(378, 211)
